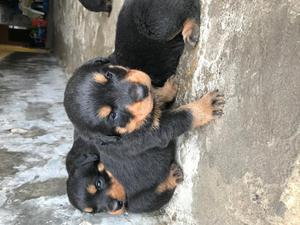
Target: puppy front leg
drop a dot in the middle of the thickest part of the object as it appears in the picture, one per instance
(206, 108)
(172, 124)
(172, 180)
(168, 92)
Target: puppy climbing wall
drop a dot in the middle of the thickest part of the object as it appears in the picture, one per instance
(245, 167)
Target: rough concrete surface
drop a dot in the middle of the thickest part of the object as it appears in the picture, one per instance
(80, 34)
(244, 168)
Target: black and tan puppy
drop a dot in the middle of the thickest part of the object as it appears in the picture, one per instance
(123, 152)
(93, 188)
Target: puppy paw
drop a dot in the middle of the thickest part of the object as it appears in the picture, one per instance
(206, 108)
(168, 92)
(176, 173)
(170, 183)
(191, 32)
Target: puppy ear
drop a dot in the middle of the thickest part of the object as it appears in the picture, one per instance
(98, 60)
(85, 158)
(77, 160)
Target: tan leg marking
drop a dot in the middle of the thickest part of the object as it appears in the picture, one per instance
(156, 116)
(104, 111)
(206, 108)
(168, 92)
(175, 176)
(190, 32)
(100, 78)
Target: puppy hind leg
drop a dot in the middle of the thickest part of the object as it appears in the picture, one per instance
(170, 183)
(190, 32)
(168, 92)
(191, 24)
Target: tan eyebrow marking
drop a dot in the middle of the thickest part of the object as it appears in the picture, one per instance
(91, 189)
(88, 210)
(104, 111)
(100, 78)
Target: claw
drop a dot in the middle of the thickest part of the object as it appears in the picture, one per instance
(218, 112)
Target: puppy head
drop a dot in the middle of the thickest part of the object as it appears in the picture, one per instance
(92, 189)
(109, 99)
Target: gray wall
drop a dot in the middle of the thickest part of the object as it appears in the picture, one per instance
(245, 167)
(80, 35)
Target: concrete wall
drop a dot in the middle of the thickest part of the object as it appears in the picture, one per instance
(243, 168)
(80, 35)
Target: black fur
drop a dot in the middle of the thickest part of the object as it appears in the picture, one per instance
(146, 154)
(149, 36)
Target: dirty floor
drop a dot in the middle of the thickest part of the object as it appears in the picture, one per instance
(35, 136)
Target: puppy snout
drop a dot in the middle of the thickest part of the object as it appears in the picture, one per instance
(138, 92)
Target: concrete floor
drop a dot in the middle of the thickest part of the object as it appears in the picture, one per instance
(35, 136)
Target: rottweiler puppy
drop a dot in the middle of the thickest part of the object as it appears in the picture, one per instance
(93, 188)
(123, 152)
(97, 5)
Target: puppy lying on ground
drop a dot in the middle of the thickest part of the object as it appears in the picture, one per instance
(123, 152)
(92, 188)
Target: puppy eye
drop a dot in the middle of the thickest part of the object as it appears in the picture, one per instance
(113, 115)
(100, 184)
(109, 75)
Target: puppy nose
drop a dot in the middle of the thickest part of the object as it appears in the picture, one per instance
(137, 92)
(115, 205)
